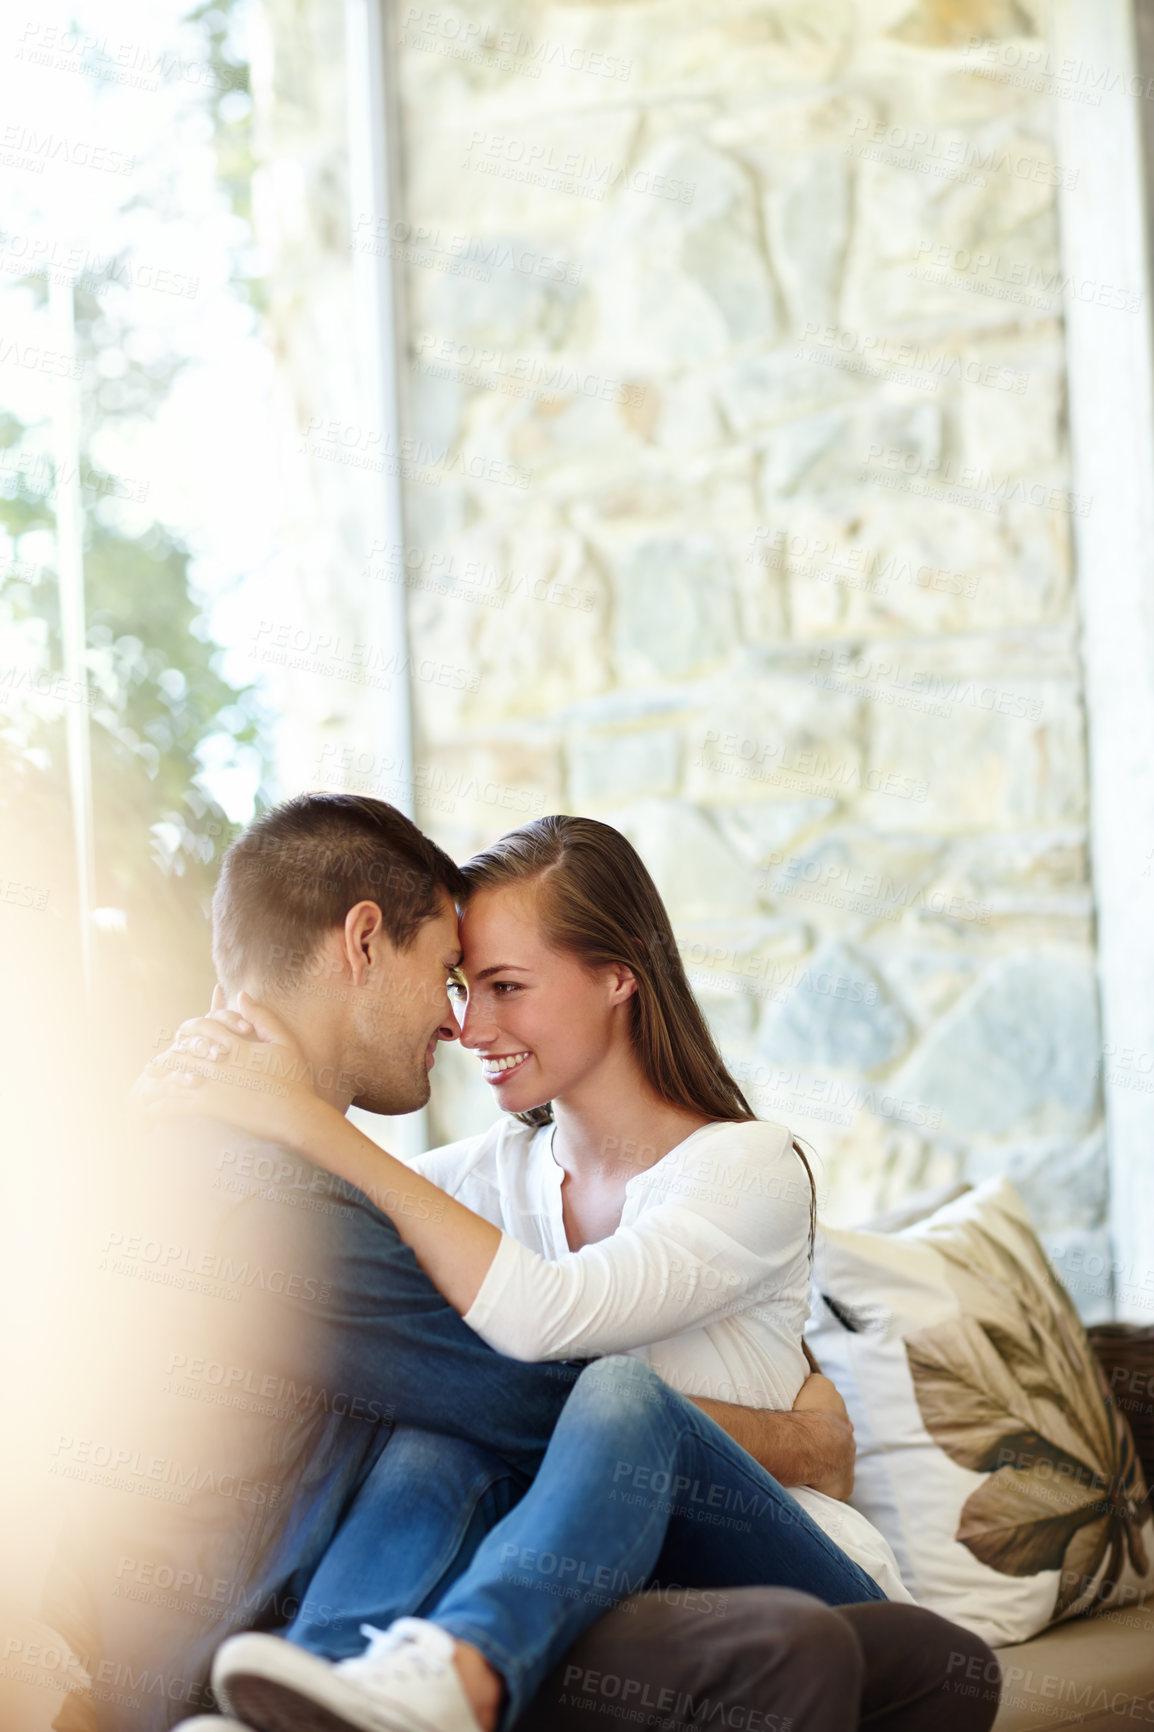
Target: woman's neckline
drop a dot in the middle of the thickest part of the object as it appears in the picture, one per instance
(560, 1171)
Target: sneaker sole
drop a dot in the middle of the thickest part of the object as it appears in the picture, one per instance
(271, 1707)
(257, 1685)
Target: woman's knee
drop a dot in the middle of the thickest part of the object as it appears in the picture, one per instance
(617, 1386)
(619, 1377)
(617, 1397)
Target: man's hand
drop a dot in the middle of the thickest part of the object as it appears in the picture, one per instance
(812, 1445)
(820, 1406)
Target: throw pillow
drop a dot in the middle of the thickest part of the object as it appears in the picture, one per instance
(991, 1453)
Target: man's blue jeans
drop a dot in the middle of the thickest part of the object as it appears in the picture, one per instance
(621, 1467)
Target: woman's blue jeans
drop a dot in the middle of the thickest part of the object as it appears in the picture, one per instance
(638, 1488)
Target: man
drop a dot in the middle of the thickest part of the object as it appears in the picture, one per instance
(338, 912)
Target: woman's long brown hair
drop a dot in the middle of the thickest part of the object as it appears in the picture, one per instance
(597, 901)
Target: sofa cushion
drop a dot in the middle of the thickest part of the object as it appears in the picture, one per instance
(1096, 1672)
(990, 1453)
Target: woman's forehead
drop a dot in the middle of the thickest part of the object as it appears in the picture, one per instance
(505, 914)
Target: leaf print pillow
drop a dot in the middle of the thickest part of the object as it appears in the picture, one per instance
(990, 1451)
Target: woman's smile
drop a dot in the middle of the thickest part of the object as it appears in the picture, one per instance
(499, 1067)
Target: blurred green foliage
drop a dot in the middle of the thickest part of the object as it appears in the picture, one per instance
(156, 692)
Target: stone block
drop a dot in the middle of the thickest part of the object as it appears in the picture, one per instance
(850, 880)
(958, 762)
(604, 766)
(698, 875)
(476, 792)
(757, 391)
(673, 612)
(730, 1015)
(760, 832)
(1018, 1054)
(827, 453)
(808, 221)
(759, 960)
(684, 280)
(1014, 431)
(839, 1016)
(930, 976)
(777, 738)
(742, 50)
(1083, 1257)
(956, 23)
(1064, 1181)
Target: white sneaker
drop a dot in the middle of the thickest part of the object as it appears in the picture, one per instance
(405, 1681)
(211, 1723)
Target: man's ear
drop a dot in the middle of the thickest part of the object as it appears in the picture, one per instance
(364, 930)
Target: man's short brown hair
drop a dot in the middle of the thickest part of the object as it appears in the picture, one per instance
(297, 870)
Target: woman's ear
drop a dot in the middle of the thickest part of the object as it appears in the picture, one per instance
(623, 983)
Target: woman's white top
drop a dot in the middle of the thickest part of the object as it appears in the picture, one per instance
(706, 1278)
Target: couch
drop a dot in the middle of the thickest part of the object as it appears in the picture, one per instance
(1092, 1672)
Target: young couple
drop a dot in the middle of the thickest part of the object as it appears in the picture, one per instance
(585, 1323)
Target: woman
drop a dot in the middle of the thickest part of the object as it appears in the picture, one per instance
(630, 1205)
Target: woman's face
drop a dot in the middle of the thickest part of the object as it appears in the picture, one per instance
(538, 1020)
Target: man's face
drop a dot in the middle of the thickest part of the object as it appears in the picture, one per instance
(401, 1013)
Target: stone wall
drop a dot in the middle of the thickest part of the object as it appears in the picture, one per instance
(735, 334)
(739, 515)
